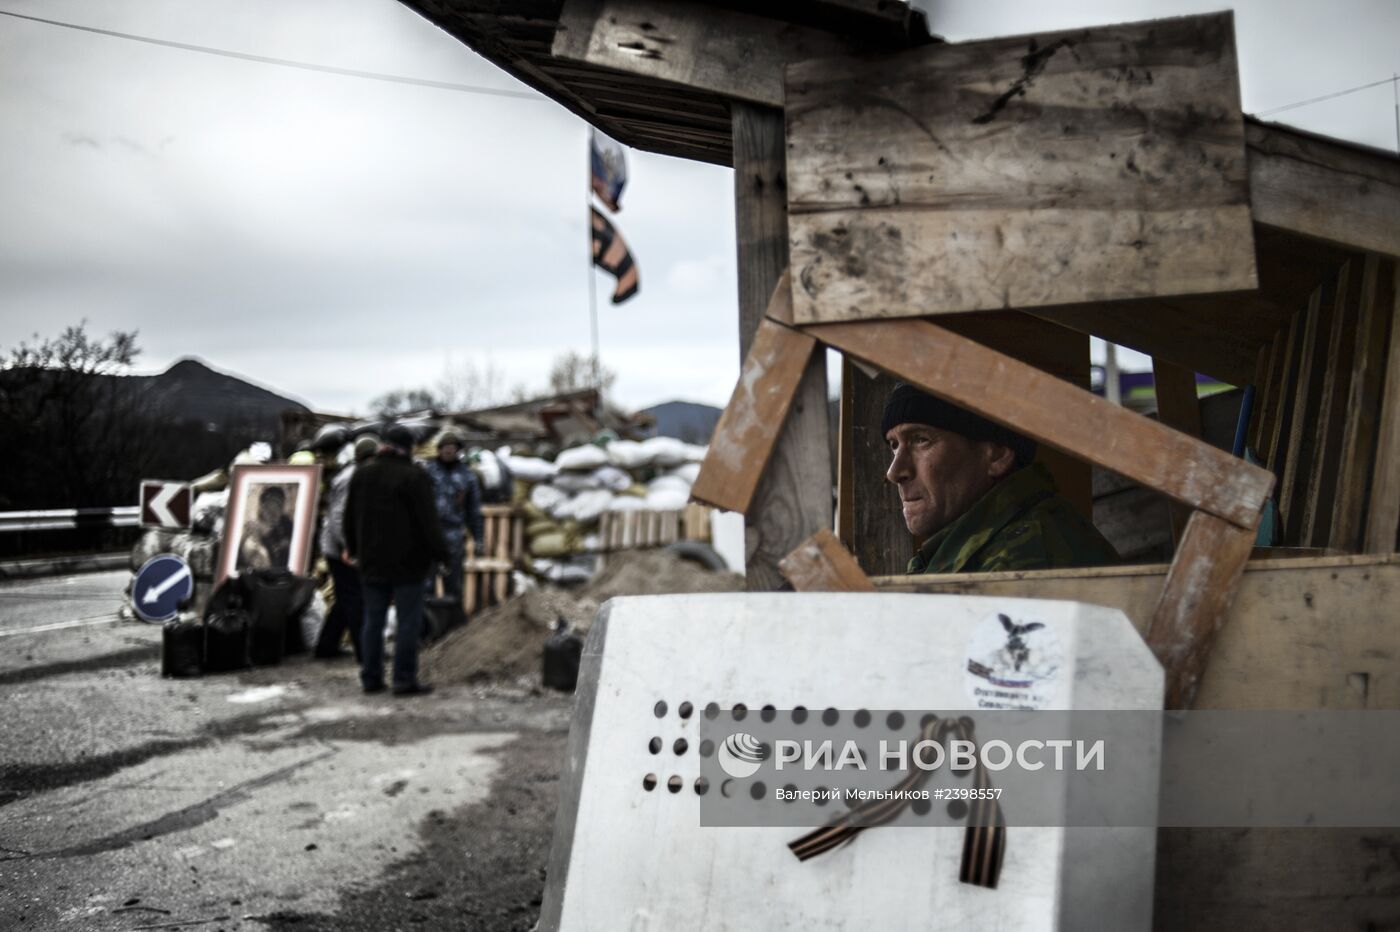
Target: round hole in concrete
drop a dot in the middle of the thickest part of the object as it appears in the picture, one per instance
(799, 714)
(894, 721)
(655, 745)
(707, 747)
(681, 745)
(674, 784)
(685, 710)
(702, 786)
(660, 708)
(649, 782)
(757, 789)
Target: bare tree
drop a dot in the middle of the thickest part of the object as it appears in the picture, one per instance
(572, 372)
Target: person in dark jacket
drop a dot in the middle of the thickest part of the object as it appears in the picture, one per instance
(392, 534)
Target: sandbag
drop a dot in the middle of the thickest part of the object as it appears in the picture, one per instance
(575, 482)
(628, 503)
(553, 544)
(687, 473)
(182, 648)
(531, 468)
(586, 507)
(586, 457)
(201, 553)
(313, 620)
(667, 500)
(668, 483)
(611, 478)
(666, 451)
(153, 541)
(628, 454)
(207, 515)
(547, 498)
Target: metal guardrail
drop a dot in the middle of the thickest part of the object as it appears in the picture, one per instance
(63, 519)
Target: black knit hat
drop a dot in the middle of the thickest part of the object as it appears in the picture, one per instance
(399, 436)
(908, 405)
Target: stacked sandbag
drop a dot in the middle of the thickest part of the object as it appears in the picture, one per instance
(564, 500)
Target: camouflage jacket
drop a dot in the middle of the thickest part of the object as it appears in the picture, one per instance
(1023, 523)
(457, 498)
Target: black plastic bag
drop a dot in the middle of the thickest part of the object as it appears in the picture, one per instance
(226, 636)
(182, 649)
(562, 653)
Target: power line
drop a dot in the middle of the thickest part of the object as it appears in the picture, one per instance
(1316, 100)
(306, 66)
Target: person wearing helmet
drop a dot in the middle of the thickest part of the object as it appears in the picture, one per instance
(458, 499)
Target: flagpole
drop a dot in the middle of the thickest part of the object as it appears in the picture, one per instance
(592, 281)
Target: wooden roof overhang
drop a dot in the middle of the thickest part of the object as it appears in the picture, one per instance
(1316, 201)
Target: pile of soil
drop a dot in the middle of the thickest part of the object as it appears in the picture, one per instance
(506, 640)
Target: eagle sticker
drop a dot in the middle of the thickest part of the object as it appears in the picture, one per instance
(1013, 663)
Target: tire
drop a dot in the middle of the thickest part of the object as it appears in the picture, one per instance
(697, 552)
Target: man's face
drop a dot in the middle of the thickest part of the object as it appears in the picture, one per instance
(449, 452)
(941, 474)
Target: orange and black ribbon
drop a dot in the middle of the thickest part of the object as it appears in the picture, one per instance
(984, 840)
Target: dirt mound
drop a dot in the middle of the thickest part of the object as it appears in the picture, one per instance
(505, 641)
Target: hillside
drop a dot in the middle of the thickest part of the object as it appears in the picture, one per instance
(684, 420)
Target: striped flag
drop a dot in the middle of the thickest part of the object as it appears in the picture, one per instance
(609, 168)
(611, 255)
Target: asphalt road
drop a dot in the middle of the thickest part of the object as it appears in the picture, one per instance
(275, 798)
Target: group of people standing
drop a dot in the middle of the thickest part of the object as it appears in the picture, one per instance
(391, 528)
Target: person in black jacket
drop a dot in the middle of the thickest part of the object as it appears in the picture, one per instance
(392, 534)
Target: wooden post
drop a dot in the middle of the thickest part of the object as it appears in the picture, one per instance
(794, 497)
(1384, 517)
(1177, 407)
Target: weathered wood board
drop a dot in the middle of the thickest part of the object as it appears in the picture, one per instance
(1091, 165)
(822, 564)
(690, 43)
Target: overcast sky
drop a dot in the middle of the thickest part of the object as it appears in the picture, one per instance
(335, 237)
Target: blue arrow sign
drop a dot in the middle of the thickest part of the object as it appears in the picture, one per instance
(161, 586)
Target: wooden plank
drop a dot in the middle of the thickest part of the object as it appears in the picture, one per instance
(880, 541)
(1322, 188)
(692, 44)
(748, 428)
(794, 496)
(1331, 413)
(1041, 406)
(1180, 409)
(1363, 405)
(1307, 391)
(1020, 172)
(1195, 600)
(1383, 520)
(845, 459)
(1266, 396)
(1275, 444)
(1294, 633)
(821, 564)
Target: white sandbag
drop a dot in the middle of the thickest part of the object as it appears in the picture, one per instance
(586, 507)
(256, 454)
(689, 472)
(628, 454)
(208, 512)
(548, 499)
(590, 542)
(665, 451)
(531, 468)
(313, 620)
(667, 499)
(575, 482)
(586, 457)
(611, 478)
(669, 483)
(627, 503)
(695, 453)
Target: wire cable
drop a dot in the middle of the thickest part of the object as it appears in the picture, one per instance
(1318, 100)
(287, 63)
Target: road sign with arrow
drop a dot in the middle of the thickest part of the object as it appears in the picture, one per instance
(165, 504)
(161, 587)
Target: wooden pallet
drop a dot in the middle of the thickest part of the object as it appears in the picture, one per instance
(487, 571)
(633, 530)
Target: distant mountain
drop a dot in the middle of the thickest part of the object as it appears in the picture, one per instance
(191, 391)
(684, 420)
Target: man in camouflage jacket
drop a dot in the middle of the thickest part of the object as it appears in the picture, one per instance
(458, 500)
(971, 492)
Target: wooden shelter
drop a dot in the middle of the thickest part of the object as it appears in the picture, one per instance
(1096, 182)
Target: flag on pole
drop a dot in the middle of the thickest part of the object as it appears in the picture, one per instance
(611, 255)
(609, 169)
